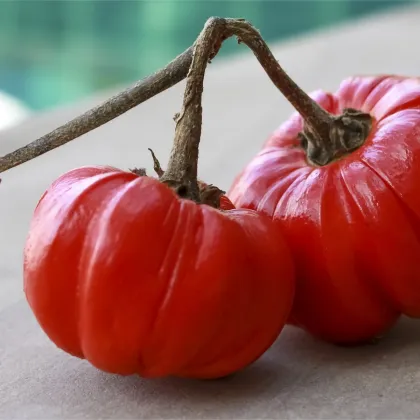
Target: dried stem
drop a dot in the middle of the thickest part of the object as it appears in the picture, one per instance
(325, 136)
(143, 90)
(181, 173)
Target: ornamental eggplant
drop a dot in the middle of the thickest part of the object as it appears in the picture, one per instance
(343, 177)
(157, 276)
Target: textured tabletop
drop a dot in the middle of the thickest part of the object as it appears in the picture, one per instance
(298, 377)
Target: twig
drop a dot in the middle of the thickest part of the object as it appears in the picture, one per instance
(181, 172)
(164, 79)
(143, 90)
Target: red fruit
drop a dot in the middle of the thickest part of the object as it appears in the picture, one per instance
(158, 277)
(351, 215)
(121, 271)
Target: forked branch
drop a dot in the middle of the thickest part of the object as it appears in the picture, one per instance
(164, 79)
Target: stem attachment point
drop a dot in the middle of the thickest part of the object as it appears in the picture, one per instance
(343, 134)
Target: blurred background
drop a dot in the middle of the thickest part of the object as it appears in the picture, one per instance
(56, 52)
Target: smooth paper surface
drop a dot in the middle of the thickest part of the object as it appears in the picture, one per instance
(299, 377)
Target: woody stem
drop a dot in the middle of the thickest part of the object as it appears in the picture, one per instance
(325, 137)
(181, 172)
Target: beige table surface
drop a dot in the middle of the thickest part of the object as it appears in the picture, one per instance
(298, 377)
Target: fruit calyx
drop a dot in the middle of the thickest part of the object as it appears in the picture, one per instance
(208, 193)
(325, 137)
(336, 137)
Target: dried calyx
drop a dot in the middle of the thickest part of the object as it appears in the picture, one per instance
(208, 194)
(325, 137)
(337, 137)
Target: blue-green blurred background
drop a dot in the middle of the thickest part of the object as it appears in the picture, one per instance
(55, 52)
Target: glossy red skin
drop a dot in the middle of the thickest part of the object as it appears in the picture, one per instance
(121, 271)
(353, 225)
